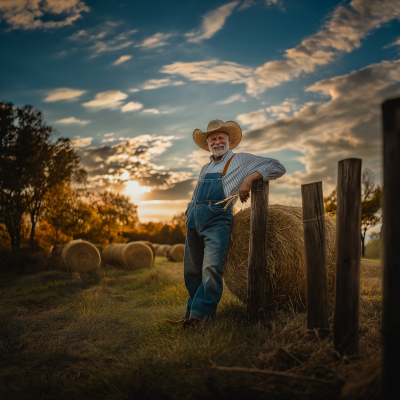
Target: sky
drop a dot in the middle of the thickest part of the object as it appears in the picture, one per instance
(129, 81)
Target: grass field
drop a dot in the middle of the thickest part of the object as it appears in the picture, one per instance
(67, 336)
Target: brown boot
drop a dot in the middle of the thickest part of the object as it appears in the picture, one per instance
(180, 322)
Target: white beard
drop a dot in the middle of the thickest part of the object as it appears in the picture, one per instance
(219, 150)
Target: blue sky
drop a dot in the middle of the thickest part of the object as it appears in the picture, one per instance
(130, 81)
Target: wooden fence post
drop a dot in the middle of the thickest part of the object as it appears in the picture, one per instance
(257, 272)
(391, 242)
(348, 253)
(315, 255)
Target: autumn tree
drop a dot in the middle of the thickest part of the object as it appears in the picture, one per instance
(370, 204)
(30, 165)
(116, 214)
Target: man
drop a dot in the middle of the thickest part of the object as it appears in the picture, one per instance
(208, 225)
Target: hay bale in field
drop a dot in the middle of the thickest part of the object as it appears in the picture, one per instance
(153, 250)
(163, 250)
(99, 248)
(131, 256)
(54, 256)
(80, 256)
(156, 246)
(176, 252)
(285, 255)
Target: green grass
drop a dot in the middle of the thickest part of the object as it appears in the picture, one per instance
(103, 336)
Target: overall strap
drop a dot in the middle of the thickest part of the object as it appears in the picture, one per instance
(226, 167)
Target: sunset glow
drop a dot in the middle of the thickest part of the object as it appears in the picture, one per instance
(133, 190)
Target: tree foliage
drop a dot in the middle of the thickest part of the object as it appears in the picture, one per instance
(30, 165)
(371, 211)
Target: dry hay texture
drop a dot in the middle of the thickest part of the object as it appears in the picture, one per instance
(176, 252)
(80, 256)
(131, 256)
(285, 255)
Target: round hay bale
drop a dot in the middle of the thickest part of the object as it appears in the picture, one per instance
(176, 252)
(153, 250)
(131, 256)
(285, 255)
(54, 256)
(99, 248)
(156, 246)
(80, 256)
(162, 250)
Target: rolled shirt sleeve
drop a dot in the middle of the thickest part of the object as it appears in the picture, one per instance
(269, 168)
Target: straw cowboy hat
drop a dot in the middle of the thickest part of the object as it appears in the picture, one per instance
(230, 127)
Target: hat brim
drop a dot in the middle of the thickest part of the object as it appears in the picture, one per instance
(230, 127)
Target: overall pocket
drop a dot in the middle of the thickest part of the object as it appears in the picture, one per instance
(218, 208)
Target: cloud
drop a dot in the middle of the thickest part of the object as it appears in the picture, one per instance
(395, 43)
(95, 38)
(113, 166)
(232, 99)
(342, 33)
(110, 99)
(82, 142)
(210, 71)
(250, 3)
(152, 111)
(157, 83)
(35, 14)
(121, 60)
(282, 110)
(63, 94)
(132, 106)
(347, 125)
(157, 40)
(255, 118)
(109, 134)
(212, 22)
(72, 120)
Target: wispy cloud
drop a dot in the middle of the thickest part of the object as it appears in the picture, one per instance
(72, 120)
(154, 111)
(132, 106)
(157, 83)
(342, 33)
(63, 94)
(232, 99)
(82, 142)
(121, 60)
(28, 14)
(109, 99)
(250, 3)
(102, 38)
(284, 109)
(210, 71)
(255, 118)
(395, 43)
(157, 40)
(212, 22)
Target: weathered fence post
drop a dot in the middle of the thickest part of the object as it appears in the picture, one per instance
(257, 273)
(315, 255)
(348, 253)
(391, 242)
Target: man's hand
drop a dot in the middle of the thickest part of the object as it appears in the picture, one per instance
(244, 191)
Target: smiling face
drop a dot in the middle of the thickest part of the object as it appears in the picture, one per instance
(218, 143)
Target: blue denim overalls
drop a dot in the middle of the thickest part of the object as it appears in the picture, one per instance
(209, 229)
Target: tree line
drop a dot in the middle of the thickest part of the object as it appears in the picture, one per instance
(43, 196)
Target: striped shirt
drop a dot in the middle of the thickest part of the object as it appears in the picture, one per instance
(241, 166)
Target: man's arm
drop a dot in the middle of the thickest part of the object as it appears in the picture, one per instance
(244, 191)
(256, 167)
